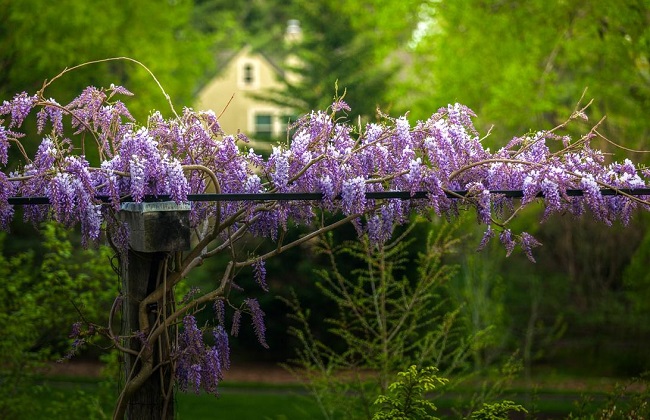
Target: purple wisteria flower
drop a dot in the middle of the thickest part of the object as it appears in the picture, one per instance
(236, 323)
(4, 144)
(487, 237)
(258, 320)
(528, 242)
(18, 108)
(340, 105)
(353, 195)
(508, 242)
(51, 111)
(7, 190)
(220, 311)
(259, 272)
(198, 365)
(280, 174)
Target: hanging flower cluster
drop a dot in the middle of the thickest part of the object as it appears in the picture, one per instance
(200, 366)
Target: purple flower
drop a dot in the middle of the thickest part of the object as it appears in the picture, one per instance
(46, 154)
(194, 377)
(259, 272)
(222, 346)
(236, 321)
(415, 175)
(53, 111)
(76, 330)
(326, 186)
(119, 90)
(353, 195)
(340, 105)
(380, 226)
(257, 316)
(4, 145)
(483, 202)
(18, 108)
(138, 180)
(528, 242)
(194, 291)
(280, 160)
(76, 345)
(506, 239)
(530, 187)
(62, 198)
(551, 197)
(198, 365)
(220, 310)
(253, 184)
(592, 196)
(6, 210)
(487, 236)
(178, 187)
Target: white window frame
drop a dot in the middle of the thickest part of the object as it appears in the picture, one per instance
(252, 123)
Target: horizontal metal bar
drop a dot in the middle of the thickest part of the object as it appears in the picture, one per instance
(315, 196)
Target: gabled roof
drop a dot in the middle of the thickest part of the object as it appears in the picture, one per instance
(224, 58)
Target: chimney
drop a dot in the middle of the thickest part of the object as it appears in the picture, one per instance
(293, 34)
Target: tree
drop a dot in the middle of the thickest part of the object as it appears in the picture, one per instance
(374, 176)
(521, 66)
(350, 45)
(40, 37)
(528, 62)
(44, 292)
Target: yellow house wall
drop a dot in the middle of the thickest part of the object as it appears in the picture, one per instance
(228, 95)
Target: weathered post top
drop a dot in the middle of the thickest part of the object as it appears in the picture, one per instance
(157, 227)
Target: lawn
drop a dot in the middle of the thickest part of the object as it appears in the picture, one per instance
(253, 401)
(238, 401)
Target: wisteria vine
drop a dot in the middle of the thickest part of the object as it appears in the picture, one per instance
(189, 153)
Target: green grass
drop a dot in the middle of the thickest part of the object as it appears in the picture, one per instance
(246, 405)
(87, 398)
(74, 397)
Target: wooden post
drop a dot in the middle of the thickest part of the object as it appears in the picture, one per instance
(155, 230)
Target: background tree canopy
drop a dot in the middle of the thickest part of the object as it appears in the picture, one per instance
(525, 64)
(40, 38)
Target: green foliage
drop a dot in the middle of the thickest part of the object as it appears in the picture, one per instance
(479, 290)
(384, 320)
(407, 399)
(42, 295)
(627, 401)
(40, 38)
(525, 64)
(406, 396)
(341, 47)
(497, 411)
(636, 278)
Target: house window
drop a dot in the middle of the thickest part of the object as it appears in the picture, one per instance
(248, 74)
(263, 126)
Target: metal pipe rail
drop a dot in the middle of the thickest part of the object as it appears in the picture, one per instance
(315, 196)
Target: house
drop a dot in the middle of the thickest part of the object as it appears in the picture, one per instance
(231, 94)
